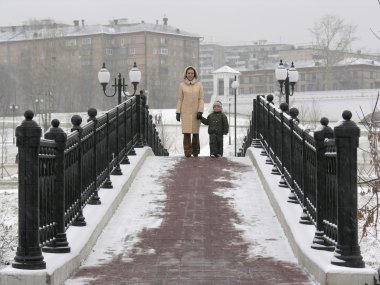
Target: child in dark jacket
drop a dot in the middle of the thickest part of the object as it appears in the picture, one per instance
(217, 127)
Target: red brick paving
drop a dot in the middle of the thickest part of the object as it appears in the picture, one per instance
(196, 243)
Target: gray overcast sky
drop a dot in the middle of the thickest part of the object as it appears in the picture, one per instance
(277, 21)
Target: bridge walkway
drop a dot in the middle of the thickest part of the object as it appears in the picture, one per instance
(193, 221)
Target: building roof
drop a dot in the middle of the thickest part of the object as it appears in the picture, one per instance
(358, 61)
(21, 33)
(225, 69)
(344, 62)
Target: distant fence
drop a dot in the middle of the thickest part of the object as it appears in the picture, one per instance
(319, 169)
(61, 173)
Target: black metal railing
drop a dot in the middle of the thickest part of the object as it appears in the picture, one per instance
(61, 173)
(320, 170)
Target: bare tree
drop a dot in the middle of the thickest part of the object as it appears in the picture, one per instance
(376, 34)
(332, 39)
(8, 227)
(309, 113)
(8, 239)
(167, 138)
(369, 177)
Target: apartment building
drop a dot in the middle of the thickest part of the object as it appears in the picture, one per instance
(59, 63)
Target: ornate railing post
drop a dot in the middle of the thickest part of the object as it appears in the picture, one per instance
(126, 135)
(145, 111)
(95, 199)
(321, 133)
(139, 142)
(255, 122)
(29, 253)
(274, 139)
(60, 243)
(76, 120)
(146, 125)
(150, 130)
(347, 252)
(266, 128)
(304, 219)
(117, 169)
(108, 183)
(156, 140)
(134, 124)
(293, 112)
(283, 183)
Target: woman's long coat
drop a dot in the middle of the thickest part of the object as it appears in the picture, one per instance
(190, 102)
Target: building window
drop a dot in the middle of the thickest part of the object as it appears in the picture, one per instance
(71, 43)
(109, 51)
(110, 42)
(85, 52)
(163, 41)
(86, 41)
(164, 51)
(154, 51)
(132, 51)
(220, 87)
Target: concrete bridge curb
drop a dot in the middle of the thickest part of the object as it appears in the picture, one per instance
(301, 236)
(60, 267)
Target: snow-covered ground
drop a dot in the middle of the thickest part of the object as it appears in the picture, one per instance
(172, 137)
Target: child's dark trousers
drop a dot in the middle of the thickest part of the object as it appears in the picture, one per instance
(216, 144)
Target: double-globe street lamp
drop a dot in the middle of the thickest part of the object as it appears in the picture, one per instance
(286, 77)
(235, 86)
(13, 108)
(119, 85)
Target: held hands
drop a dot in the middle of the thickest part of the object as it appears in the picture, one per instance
(178, 116)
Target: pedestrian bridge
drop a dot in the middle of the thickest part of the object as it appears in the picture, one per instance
(113, 208)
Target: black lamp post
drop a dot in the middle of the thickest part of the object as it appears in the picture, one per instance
(286, 77)
(13, 108)
(119, 85)
(235, 86)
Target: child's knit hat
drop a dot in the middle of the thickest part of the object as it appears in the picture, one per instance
(218, 103)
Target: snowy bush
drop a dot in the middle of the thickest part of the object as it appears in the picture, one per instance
(8, 226)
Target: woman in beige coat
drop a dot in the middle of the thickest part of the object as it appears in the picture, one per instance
(189, 111)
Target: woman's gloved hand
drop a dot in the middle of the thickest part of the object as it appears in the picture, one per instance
(178, 117)
(199, 115)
